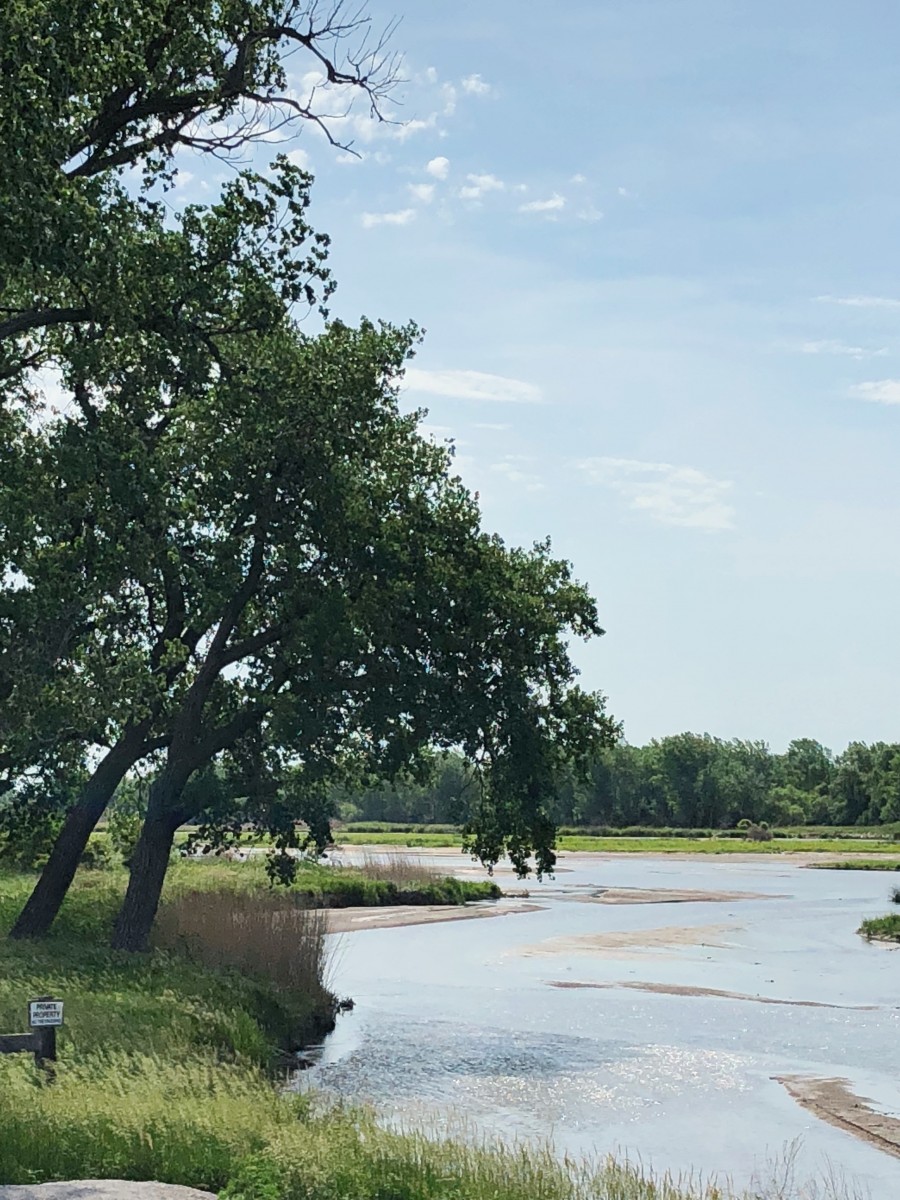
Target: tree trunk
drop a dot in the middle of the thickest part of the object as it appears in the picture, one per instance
(50, 890)
(149, 864)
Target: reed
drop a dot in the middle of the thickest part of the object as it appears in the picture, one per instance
(271, 935)
(405, 871)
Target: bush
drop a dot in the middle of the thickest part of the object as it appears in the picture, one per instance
(97, 854)
(758, 833)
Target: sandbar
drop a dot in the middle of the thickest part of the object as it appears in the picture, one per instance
(833, 1101)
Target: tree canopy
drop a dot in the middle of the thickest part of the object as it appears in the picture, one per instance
(227, 545)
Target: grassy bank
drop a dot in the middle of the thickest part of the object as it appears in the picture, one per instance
(882, 929)
(859, 864)
(644, 845)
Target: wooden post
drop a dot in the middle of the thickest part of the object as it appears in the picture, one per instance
(41, 1041)
(45, 1048)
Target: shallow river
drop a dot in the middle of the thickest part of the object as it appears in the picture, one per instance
(460, 1022)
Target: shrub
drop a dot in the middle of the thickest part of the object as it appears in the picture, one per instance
(758, 833)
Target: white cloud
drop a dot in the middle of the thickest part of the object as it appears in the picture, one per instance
(475, 86)
(299, 158)
(625, 192)
(423, 192)
(448, 91)
(405, 130)
(479, 185)
(439, 167)
(880, 391)
(472, 385)
(431, 75)
(590, 214)
(497, 426)
(349, 157)
(666, 493)
(554, 204)
(861, 301)
(579, 178)
(841, 349)
(403, 217)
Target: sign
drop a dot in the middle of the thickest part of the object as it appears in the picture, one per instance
(42, 1013)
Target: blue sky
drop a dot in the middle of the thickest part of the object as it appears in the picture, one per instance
(655, 248)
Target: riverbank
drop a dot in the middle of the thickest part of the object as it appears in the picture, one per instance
(166, 1073)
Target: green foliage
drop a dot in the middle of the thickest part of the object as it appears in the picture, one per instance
(30, 819)
(713, 786)
(97, 854)
(255, 1178)
(881, 929)
(125, 816)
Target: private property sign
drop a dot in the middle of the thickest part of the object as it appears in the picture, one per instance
(43, 1013)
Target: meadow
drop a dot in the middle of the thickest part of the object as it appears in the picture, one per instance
(580, 843)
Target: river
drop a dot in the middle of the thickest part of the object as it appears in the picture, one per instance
(498, 1026)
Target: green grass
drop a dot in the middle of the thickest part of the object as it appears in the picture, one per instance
(331, 887)
(884, 929)
(645, 845)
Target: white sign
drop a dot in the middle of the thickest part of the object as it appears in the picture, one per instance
(45, 1012)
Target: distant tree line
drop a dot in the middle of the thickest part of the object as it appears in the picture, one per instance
(687, 780)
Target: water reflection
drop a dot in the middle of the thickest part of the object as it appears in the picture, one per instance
(457, 1022)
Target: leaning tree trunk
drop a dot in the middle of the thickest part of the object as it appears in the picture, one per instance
(149, 864)
(50, 890)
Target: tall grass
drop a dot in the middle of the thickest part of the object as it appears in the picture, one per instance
(269, 934)
(403, 870)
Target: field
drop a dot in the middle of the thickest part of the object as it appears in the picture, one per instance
(646, 845)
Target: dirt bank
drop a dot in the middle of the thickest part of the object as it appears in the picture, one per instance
(351, 920)
(832, 1100)
(614, 942)
(676, 989)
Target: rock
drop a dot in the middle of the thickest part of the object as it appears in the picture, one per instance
(101, 1189)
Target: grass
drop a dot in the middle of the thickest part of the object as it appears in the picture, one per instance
(264, 934)
(377, 882)
(882, 929)
(645, 845)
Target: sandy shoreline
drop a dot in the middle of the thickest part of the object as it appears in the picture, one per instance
(832, 1100)
(353, 920)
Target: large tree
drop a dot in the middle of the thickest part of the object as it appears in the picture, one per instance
(309, 575)
(96, 277)
(91, 88)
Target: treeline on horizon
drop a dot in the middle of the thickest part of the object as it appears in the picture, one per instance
(687, 780)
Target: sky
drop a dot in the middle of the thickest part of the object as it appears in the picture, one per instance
(654, 245)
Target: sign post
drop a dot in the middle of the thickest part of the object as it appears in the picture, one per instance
(45, 1015)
